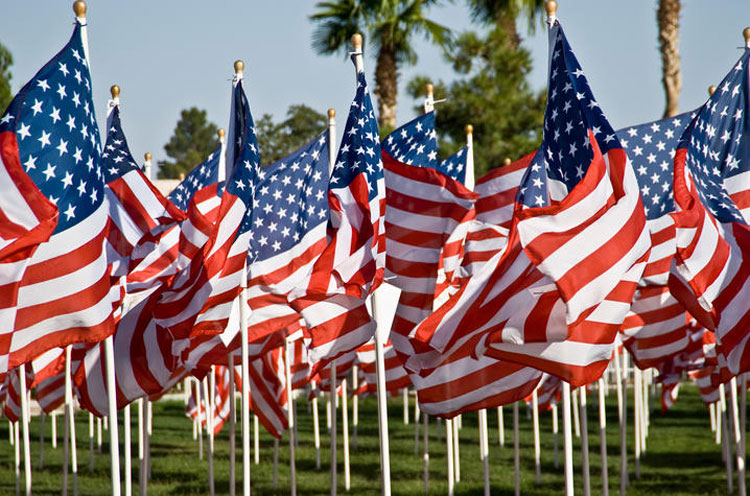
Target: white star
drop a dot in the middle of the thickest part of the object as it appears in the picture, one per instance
(62, 147)
(30, 163)
(23, 132)
(64, 69)
(70, 212)
(239, 184)
(37, 107)
(81, 188)
(76, 99)
(93, 196)
(44, 139)
(68, 179)
(61, 91)
(55, 115)
(276, 245)
(49, 171)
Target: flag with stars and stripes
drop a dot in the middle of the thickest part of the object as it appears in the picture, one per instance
(555, 297)
(203, 175)
(712, 167)
(423, 207)
(351, 266)
(201, 303)
(455, 166)
(64, 294)
(137, 209)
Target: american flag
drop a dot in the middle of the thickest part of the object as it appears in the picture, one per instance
(555, 297)
(351, 266)
(548, 392)
(202, 304)
(222, 399)
(456, 165)
(396, 377)
(66, 293)
(137, 209)
(202, 175)
(50, 393)
(268, 399)
(712, 166)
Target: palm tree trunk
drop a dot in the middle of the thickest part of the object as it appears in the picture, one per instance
(386, 88)
(668, 17)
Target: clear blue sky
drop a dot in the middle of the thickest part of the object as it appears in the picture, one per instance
(168, 55)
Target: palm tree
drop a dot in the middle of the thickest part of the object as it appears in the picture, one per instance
(390, 27)
(668, 18)
(505, 12)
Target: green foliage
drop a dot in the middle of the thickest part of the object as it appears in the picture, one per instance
(497, 10)
(277, 140)
(493, 95)
(193, 140)
(6, 60)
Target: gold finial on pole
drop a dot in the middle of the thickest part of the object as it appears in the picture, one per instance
(711, 90)
(147, 156)
(357, 42)
(429, 89)
(551, 8)
(79, 8)
(221, 133)
(331, 113)
(469, 129)
(114, 91)
(239, 66)
(746, 34)
(506, 162)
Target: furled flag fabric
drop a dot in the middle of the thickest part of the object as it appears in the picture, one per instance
(712, 166)
(352, 265)
(268, 398)
(136, 208)
(50, 392)
(555, 297)
(64, 294)
(202, 303)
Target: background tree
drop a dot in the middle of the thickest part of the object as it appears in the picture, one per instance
(668, 19)
(193, 140)
(493, 95)
(505, 12)
(6, 60)
(390, 27)
(277, 140)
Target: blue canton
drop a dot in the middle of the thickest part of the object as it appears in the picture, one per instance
(58, 138)
(651, 148)
(116, 158)
(566, 153)
(203, 175)
(360, 147)
(246, 167)
(455, 165)
(717, 143)
(291, 199)
(414, 143)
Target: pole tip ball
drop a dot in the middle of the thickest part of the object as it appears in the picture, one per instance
(114, 90)
(711, 90)
(746, 34)
(79, 8)
(331, 113)
(507, 161)
(429, 88)
(469, 129)
(221, 133)
(147, 156)
(551, 8)
(357, 42)
(239, 66)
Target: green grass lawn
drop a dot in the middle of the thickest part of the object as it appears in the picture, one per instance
(682, 457)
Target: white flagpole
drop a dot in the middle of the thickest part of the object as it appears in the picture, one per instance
(99, 435)
(417, 425)
(54, 428)
(345, 430)
(405, 397)
(316, 431)
(456, 449)
(288, 352)
(725, 444)
(537, 446)
(567, 440)
(209, 415)
(256, 440)
(239, 66)
(114, 442)
(186, 391)
(603, 437)
(637, 419)
(743, 427)
(328, 413)
(25, 427)
(712, 416)
(449, 455)
(484, 450)
(576, 418)
(142, 481)
(199, 404)
(232, 428)
(69, 430)
(585, 444)
(17, 452)
(275, 473)
(622, 414)
(516, 451)
(127, 449)
(555, 431)
(211, 399)
(334, 430)
(717, 409)
(355, 404)
(500, 427)
(11, 436)
(149, 418)
(737, 436)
